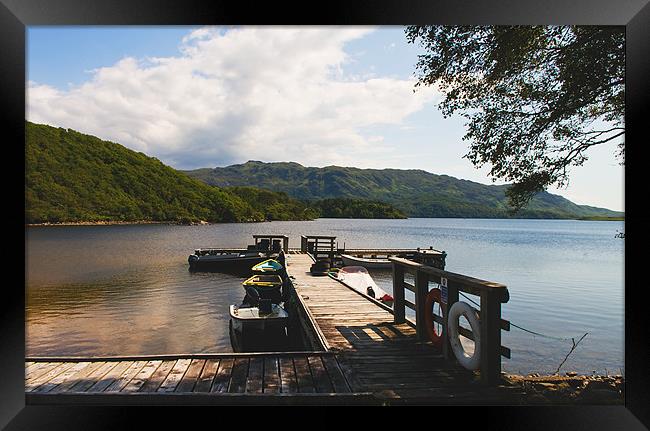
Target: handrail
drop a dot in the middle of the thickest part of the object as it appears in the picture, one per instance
(491, 294)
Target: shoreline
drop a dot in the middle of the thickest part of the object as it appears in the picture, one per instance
(115, 222)
(203, 222)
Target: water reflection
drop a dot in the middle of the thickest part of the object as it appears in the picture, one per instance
(154, 311)
(126, 290)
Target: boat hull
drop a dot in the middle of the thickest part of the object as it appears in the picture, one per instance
(349, 260)
(357, 278)
(249, 333)
(232, 264)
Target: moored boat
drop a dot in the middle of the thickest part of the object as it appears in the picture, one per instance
(253, 329)
(238, 261)
(269, 266)
(372, 263)
(260, 322)
(358, 278)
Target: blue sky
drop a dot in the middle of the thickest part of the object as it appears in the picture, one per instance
(202, 97)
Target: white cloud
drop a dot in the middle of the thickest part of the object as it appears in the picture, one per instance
(259, 93)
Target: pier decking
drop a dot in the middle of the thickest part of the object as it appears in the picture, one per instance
(366, 358)
(208, 378)
(379, 356)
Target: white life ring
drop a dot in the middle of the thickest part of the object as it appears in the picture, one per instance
(464, 309)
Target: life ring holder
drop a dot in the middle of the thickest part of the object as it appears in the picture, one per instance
(472, 362)
(432, 296)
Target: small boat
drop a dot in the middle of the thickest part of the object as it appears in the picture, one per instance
(372, 263)
(252, 329)
(260, 322)
(357, 278)
(269, 266)
(237, 263)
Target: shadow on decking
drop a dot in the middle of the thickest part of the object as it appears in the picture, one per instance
(388, 360)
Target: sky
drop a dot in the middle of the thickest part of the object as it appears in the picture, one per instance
(197, 97)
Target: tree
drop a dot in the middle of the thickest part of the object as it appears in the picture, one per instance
(536, 97)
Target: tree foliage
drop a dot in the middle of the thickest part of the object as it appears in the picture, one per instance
(275, 205)
(356, 208)
(74, 177)
(536, 97)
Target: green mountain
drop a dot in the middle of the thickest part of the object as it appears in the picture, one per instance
(73, 177)
(415, 192)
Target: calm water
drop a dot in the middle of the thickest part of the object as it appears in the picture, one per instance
(121, 290)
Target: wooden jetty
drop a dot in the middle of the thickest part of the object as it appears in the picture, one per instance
(364, 352)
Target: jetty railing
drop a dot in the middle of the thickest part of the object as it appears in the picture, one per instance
(318, 245)
(491, 296)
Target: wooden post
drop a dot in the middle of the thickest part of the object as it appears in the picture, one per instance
(421, 291)
(398, 294)
(490, 338)
(452, 298)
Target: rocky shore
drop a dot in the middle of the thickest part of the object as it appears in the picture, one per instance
(568, 389)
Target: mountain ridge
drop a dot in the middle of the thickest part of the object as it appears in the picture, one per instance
(416, 192)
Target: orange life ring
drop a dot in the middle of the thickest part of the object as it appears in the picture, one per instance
(432, 296)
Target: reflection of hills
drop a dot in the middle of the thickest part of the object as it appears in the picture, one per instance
(159, 310)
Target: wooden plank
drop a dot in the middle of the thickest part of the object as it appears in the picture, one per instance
(255, 375)
(175, 375)
(272, 381)
(41, 371)
(207, 376)
(239, 374)
(221, 381)
(335, 374)
(44, 378)
(61, 378)
(110, 377)
(142, 376)
(158, 377)
(288, 375)
(353, 382)
(77, 377)
(126, 376)
(91, 378)
(303, 375)
(322, 381)
(191, 377)
(30, 367)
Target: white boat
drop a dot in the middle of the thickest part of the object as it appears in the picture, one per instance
(372, 263)
(250, 329)
(357, 278)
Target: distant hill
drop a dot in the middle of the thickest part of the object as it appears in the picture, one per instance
(73, 177)
(417, 193)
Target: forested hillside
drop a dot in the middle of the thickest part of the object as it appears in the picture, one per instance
(416, 193)
(72, 177)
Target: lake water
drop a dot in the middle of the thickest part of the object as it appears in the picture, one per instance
(126, 290)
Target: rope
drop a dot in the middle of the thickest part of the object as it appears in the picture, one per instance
(524, 329)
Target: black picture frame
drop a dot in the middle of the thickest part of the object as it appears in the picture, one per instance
(15, 15)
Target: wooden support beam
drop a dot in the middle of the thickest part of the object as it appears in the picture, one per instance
(490, 339)
(421, 291)
(398, 294)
